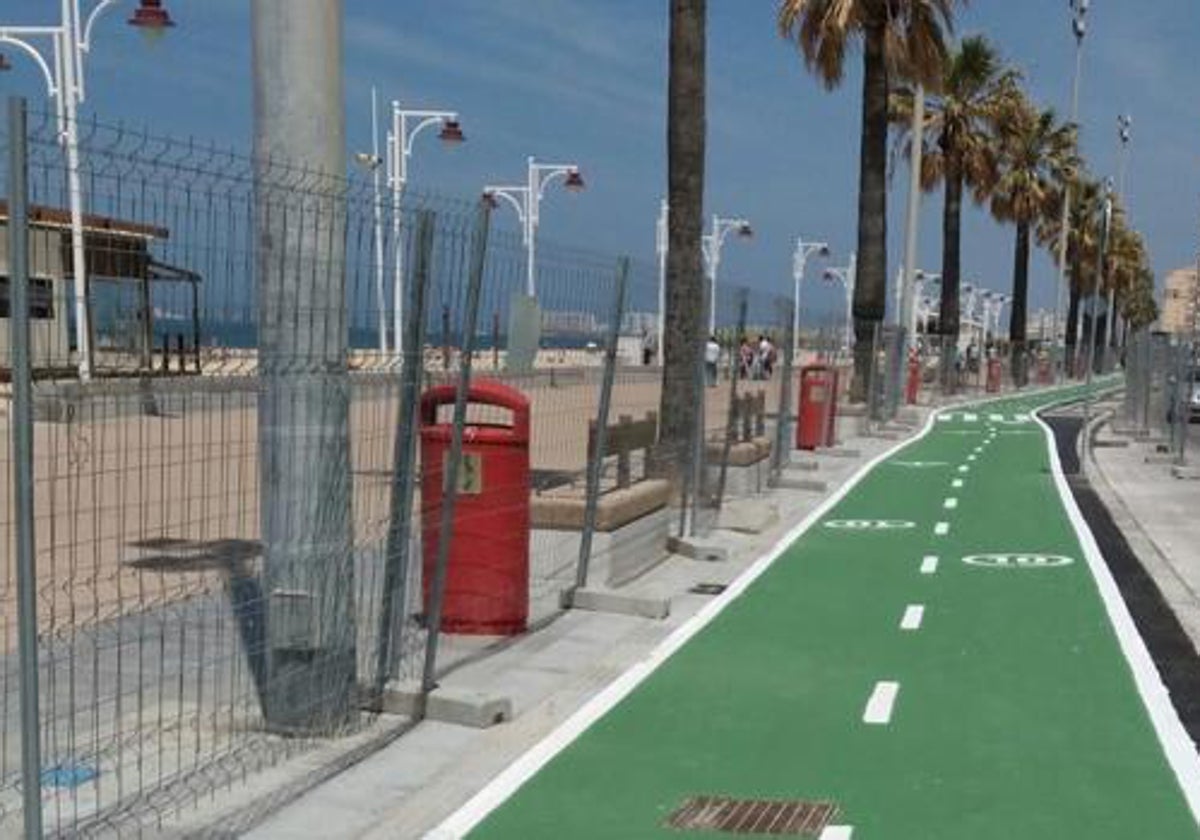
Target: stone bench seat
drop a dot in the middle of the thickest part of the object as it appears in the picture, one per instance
(563, 509)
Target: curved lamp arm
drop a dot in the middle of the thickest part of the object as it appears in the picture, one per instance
(510, 194)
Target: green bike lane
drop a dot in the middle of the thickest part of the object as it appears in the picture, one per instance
(871, 667)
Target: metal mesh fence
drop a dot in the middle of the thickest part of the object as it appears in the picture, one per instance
(321, 452)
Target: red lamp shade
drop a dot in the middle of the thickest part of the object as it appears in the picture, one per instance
(574, 181)
(150, 14)
(5, 64)
(490, 200)
(452, 132)
(746, 232)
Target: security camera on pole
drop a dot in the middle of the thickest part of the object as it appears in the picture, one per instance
(406, 125)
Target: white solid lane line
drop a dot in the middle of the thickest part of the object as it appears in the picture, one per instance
(882, 700)
(914, 614)
(950, 503)
(929, 564)
(941, 529)
(837, 832)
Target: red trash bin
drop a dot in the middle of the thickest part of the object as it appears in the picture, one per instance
(995, 372)
(487, 575)
(816, 417)
(912, 387)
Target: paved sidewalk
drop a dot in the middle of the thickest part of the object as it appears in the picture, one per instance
(409, 787)
(1158, 514)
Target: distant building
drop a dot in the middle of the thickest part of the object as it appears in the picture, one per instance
(570, 323)
(635, 323)
(1179, 301)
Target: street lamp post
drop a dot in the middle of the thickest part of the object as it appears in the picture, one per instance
(527, 201)
(1079, 9)
(847, 277)
(803, 251)
(407, 124)
(711, 244)
(662, 247)
(69, 42)
(1124, 135)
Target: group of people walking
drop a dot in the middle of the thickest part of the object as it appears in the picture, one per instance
(755, 360)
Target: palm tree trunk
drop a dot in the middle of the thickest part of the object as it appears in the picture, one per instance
(1020, 303)
(948, 319)
(870, 291)
(683, 338)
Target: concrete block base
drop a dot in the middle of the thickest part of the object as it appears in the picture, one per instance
(608, 601)
(621, 555)
(747, 480)
(1186, 472)
(807, 485)
(1164, 458)
(698, 549)
(747, 517)
(456, 706)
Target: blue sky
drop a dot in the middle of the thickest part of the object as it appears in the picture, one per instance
(585, 81)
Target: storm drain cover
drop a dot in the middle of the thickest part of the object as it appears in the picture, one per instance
(708, 588)
(767, 817)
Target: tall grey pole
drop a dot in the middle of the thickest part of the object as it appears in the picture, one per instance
(912, 223)
(437, 589)
(1101, 270)
(596, 456)
(404, 457)
(1124, 126)
(1079, 27)
(22, 447)
(304, 403)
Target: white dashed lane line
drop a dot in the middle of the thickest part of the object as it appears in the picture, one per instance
(941, 529)
(837, 832)
(881, 702)
(929, 564)
(914, 614)
(956, 483)
(965, 468)
(950, 503)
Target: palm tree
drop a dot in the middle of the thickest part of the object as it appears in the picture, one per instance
(975, 88)
(1082, 245)
(898, 36)
(683, 338)
(1036, 154)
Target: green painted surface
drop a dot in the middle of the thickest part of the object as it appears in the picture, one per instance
(1017, 716)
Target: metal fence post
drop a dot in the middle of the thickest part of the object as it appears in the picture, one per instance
(696, 481)
(454, 459)
(399, 536)
(22, 444)
(784, 415)
(596, 461)
(731, 417)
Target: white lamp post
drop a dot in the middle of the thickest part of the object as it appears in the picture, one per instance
(68, 44)
(847, 277)
(527, 201)
(662, 247)
(711, 244)
(1079, 10)
(407, 124)
(803, 251)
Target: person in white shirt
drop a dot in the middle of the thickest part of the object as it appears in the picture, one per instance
(712, 356)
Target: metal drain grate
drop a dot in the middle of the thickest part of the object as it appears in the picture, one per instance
(767, 817)
(708, 588)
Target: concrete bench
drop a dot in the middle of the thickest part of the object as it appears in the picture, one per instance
(632, 520)
(749, 447)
